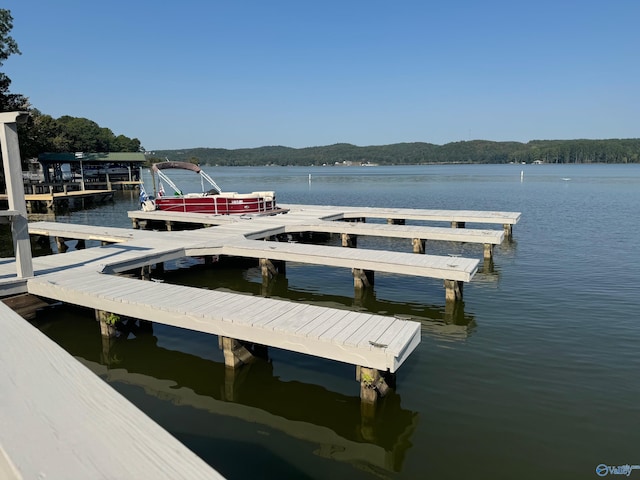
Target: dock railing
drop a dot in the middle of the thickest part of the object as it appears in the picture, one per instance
(17, 212)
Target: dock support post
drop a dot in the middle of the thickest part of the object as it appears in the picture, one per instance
(349, 241)
(418, 245)
(453, 290)
(455, 224)
(145, 272)
(62, 247)
(373, 383)
(395, 221)
(107, 323)
(81, 244)
(488, 251)
(235, 353)
(270, 268)
(362, 278)
(169, 225)
(508, 230)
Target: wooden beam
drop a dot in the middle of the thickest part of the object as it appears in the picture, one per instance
(15, 190)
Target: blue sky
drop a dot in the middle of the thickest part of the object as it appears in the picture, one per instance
(241, 74)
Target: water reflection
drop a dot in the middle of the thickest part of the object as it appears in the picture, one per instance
(332, 421)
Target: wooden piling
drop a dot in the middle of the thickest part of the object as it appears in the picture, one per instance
(453, 290)
(418, 245)
(362, 278)
(235, 353)
(107, 323)
(268, 268)
(396, 221)
(349, 240)
(62, 246)
(372, 384)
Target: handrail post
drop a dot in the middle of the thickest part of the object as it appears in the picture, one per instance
(15, 190)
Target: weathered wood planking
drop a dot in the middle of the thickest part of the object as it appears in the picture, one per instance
(165, 246)
(433, 266)
(328, 212)
(466, 235)
(60, 420)
(259, 320)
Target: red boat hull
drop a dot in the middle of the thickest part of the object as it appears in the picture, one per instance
(218, 204)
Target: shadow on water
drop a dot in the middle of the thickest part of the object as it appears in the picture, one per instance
(331, 421)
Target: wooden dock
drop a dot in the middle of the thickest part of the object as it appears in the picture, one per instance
(53, 201)
(60, 420)
(245, 325)
(372, 343)
(378, 344)
(87, 277)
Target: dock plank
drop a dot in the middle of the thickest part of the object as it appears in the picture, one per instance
(364, 335)
(276, 328)
(59, 420)
(319, 325)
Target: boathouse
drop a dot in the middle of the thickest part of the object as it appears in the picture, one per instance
(91, 168)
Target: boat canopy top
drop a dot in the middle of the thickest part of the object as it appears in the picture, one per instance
(182, 165)
(158, 167)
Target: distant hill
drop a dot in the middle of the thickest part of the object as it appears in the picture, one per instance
(476, 151)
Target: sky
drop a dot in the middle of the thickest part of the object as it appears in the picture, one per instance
(250, 73)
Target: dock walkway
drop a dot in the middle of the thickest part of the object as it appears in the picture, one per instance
(60, 420)
(87, 277)
(372, 341)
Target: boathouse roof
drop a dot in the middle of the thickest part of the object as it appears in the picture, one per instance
(110, 157)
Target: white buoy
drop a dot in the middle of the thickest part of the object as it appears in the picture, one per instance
(521, 175)
(309, 178)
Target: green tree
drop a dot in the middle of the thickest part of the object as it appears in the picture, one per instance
(8, 46)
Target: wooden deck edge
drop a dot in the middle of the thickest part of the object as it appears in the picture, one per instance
(494, 237)
(381, 359)
(59, 420)
(16, 286)
(342, 257)
(337, 212)
(8, 470)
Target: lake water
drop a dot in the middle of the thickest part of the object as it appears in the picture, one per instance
(534, 376)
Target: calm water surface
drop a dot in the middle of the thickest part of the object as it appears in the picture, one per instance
(534, 376)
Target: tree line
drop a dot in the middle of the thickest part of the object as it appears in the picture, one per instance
(476, 151)
(43, 133)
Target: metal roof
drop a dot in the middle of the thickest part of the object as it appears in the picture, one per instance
(111, 157)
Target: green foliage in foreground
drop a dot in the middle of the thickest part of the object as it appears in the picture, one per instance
(477, 151)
